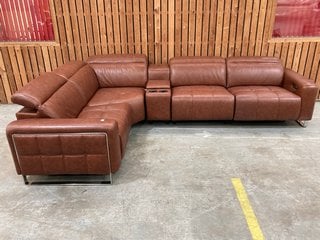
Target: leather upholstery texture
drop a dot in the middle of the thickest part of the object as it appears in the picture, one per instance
(187, 71)
(77, 119)
(202, 103)
(120, 70)
(265, 103)
(133, 96)
(254, 71)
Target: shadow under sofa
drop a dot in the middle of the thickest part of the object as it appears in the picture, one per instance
(76, 119)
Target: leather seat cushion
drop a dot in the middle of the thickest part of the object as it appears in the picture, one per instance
(265, 103)
(202, 103)
(131, 95)
(120, 112)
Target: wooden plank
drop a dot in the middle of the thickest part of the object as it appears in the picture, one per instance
(199, 19)
(240, 25)
(253, 28)
(130, 33)
(59, 56)
(5, 91)
(212, 27)
(144, 27)
(34, 63)
(303, 58)
(296, 57)
(284, 53)
(171, 32)
(88, 23)
(136, 24)
(46, 59)
(62, 31)
(40, 59)
(95, 26)
(233, 27)
(82, 30)
(123, 26)
(75, 29)
(15, 67)
(102, 25)
(184, 30)
(246, 28)
(205, 28)
(9, 70)
(116, 26)
(315, 64)
(290, 55)
(21, 65)
(27, 63)
(151, 49)
(268, 27)
(271, 48)
(164, 31)
(52, 57)
(178, 29)
(191, 27)
(226, 28)
(109, 26)
(68, 29)
(157, 31)
(261, 21)
(277, 50)
(310, 57)
(219, 28)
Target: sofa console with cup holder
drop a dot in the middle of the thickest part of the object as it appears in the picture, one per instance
(76, 119)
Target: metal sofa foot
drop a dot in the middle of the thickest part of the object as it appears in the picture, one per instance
(302, 123)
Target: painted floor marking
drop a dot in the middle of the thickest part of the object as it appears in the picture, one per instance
(247, 210)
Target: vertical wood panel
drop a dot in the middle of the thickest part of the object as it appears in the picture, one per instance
(160, 29)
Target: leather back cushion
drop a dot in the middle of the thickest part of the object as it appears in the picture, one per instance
(245, 71)
(68, 69)
(71, 98)
(38, 90)
(126, 70)
(187, 71)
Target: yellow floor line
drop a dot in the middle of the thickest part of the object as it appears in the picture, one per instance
(248, 212)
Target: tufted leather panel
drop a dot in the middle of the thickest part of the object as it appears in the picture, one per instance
(248, 71)
(303, 87)
(202, 103)
(187, 71)
(120, 112)
(68, 69)
(71, 144)
(38, 90)
(126, 70)
(133, 96)
(158, 72)
(265, 103)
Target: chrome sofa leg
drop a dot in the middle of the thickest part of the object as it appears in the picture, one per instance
(302, 123)
(25, 179)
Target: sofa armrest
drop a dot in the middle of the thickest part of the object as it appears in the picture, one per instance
(64, 146)
(303, 87)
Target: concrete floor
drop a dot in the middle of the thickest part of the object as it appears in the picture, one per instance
(175, 183)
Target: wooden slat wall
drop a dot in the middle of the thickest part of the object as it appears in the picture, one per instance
(160, 29)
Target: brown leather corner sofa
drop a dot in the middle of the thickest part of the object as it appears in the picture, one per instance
(76, 119)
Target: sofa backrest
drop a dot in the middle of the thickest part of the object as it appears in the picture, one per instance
(125, 70)
(245, 71)
(73, 96)
(186, 71)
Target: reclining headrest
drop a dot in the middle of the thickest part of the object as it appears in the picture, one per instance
(125, 70)
(186, 71)
(67, 70)
(38, 90)
(244, 71)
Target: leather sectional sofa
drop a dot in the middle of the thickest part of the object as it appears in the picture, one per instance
(77, 118)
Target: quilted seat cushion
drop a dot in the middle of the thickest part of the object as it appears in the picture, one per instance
(202, 103)
(131, 95)
(120, 112)
(265, 103)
